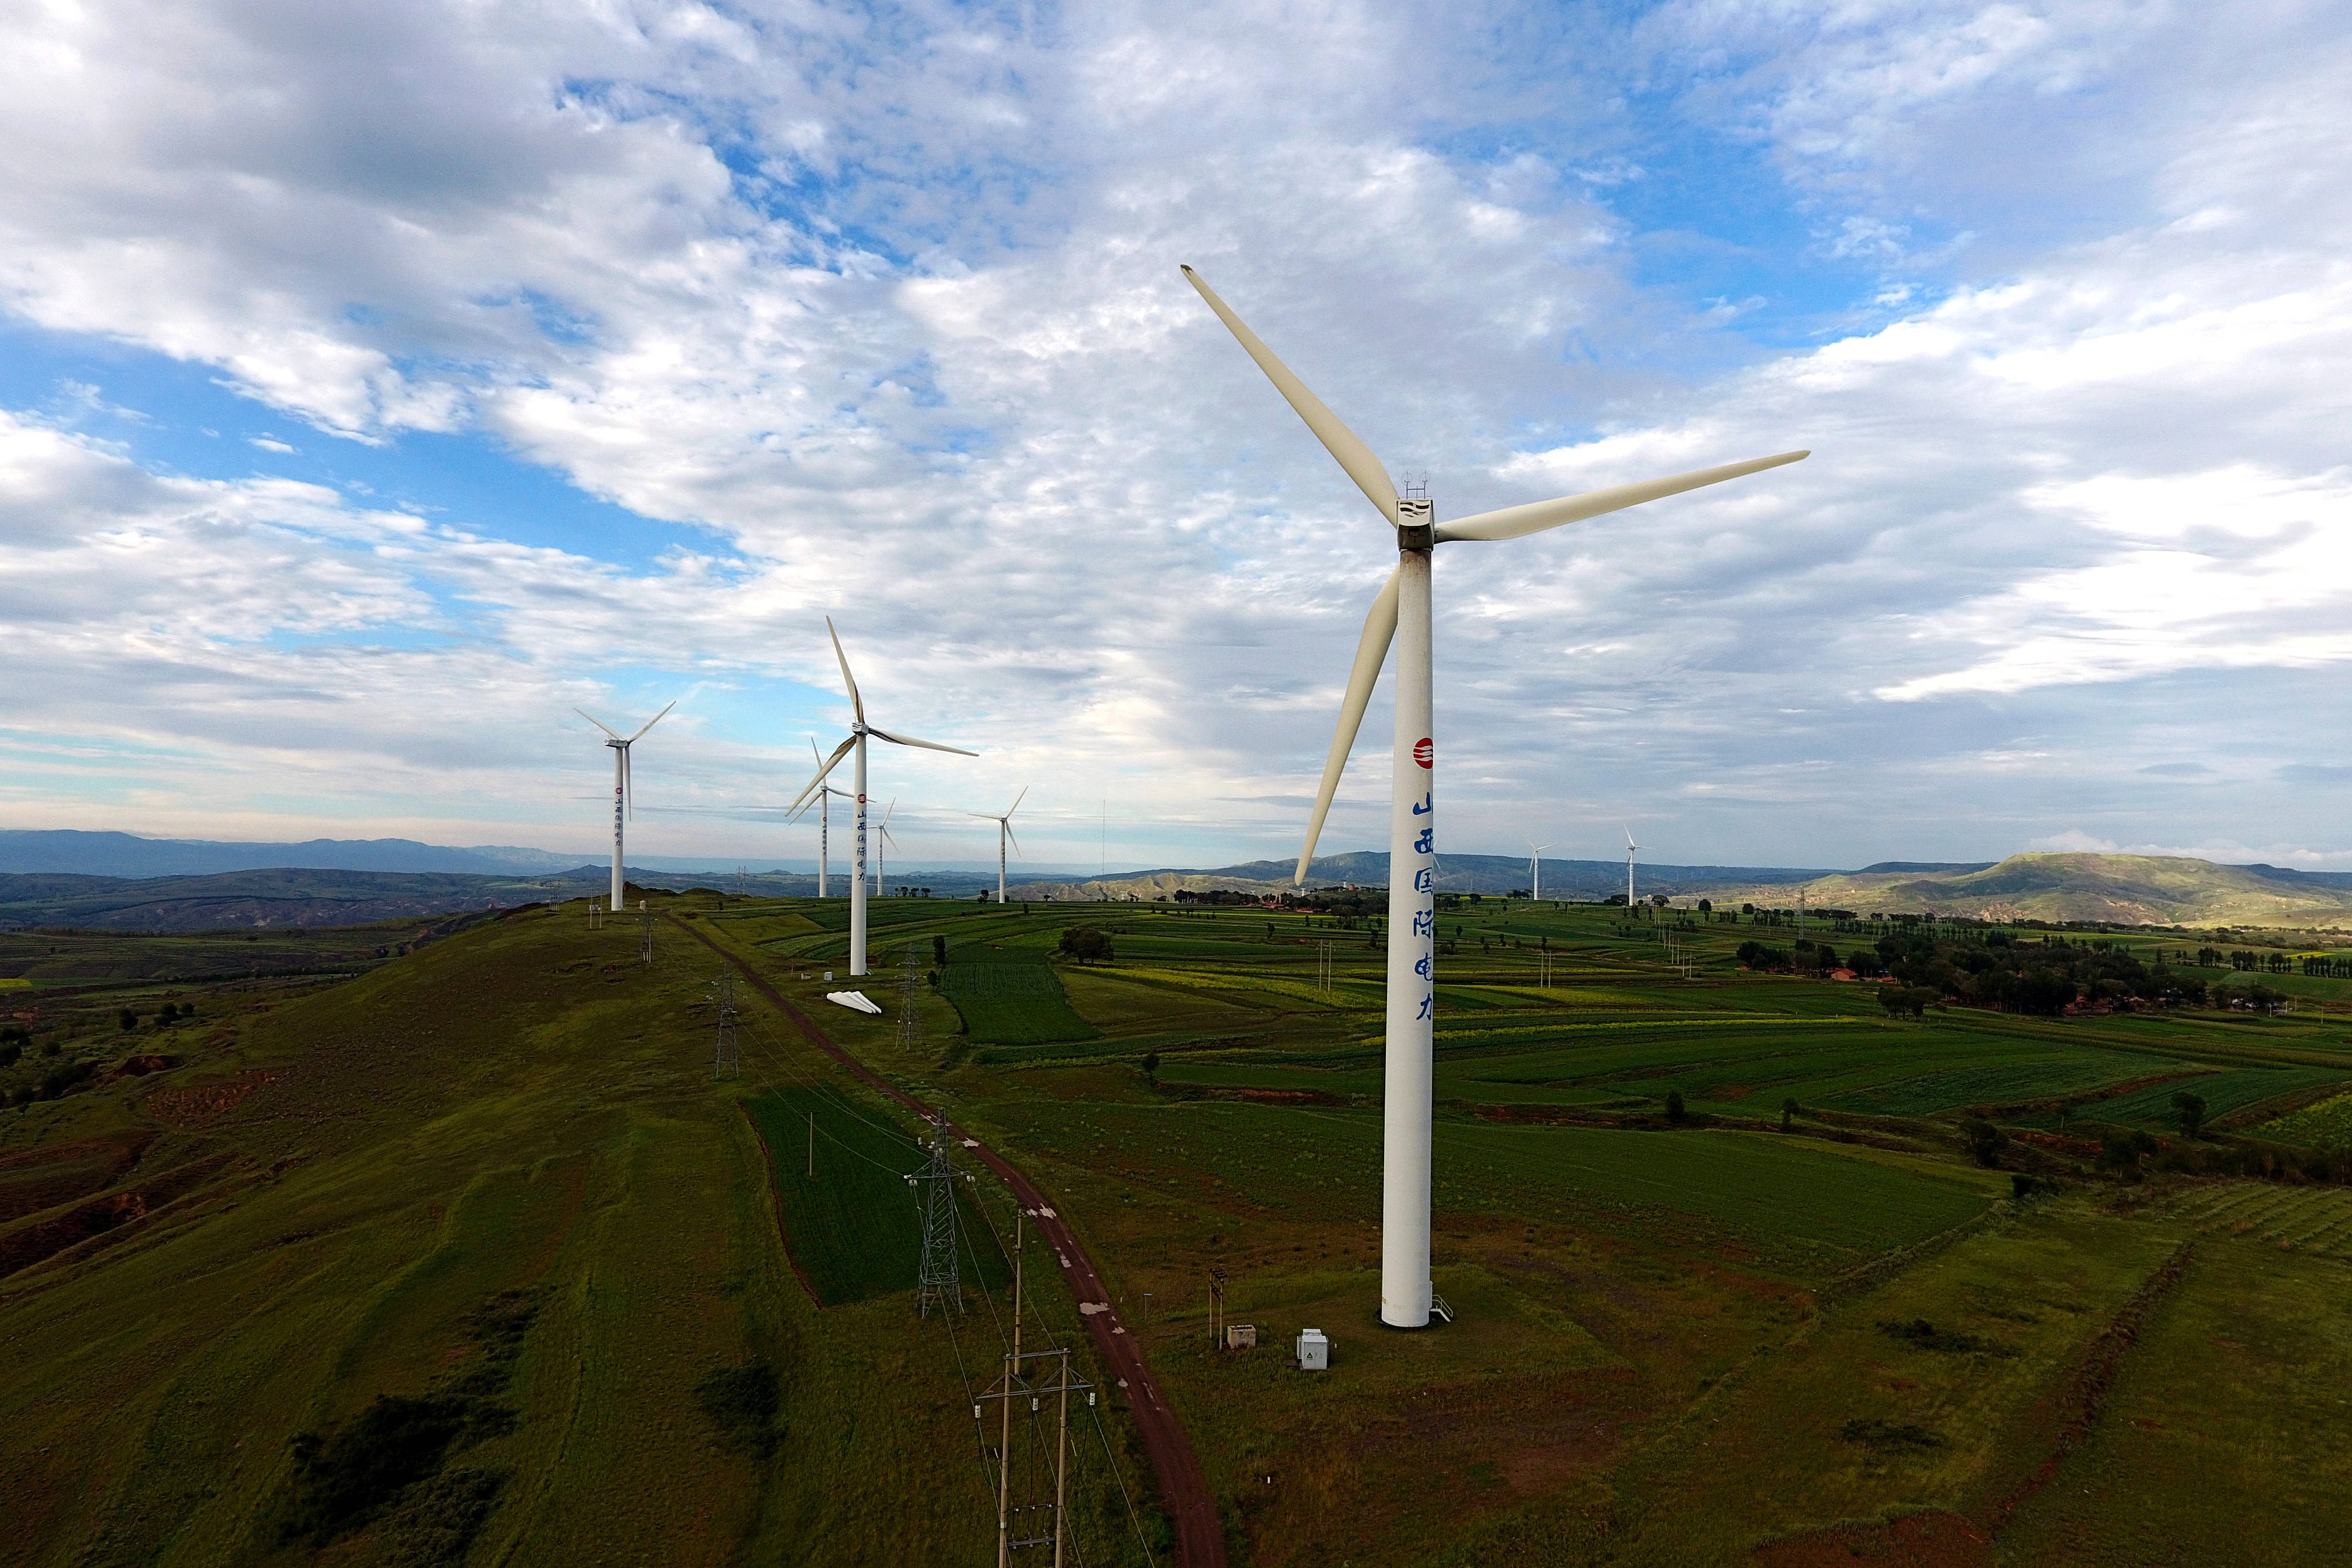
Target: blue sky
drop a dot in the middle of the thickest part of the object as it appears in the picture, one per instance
(376, 390)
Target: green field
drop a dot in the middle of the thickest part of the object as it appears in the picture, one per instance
(492, 1183)
(1011, 999)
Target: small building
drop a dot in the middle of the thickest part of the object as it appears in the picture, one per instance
(1241, 1336)
(1314, 1351)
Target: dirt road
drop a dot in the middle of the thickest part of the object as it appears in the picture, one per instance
(1183, 1489)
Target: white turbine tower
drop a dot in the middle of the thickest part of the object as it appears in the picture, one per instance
(624, 801)
(1401, 612)
(1535, 859)
(1630, 847)
(859, 730)
(1003, 832)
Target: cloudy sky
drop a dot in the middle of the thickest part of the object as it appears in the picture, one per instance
(379, 382)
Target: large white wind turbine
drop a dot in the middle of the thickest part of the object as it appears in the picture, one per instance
(1401, 612)
(624, 801)
(1630, 847)
(859, 730)
(1534, 860)
(1003, 833)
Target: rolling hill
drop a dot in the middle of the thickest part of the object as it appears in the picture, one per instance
(2131, 890)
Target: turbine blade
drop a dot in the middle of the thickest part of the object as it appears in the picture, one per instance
(910, 740)
(1013, 836)
(654, 720)
(824, 767)
(857, 703)
(1336, 438)
(1515, 522)
(599, 723)
(887, 809)
(1016, 800)
(1371, 652)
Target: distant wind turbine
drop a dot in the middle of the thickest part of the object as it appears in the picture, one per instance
(1535, 858)
(824, 797)
(1004, 834)
(1401, 612)
(859, 730)
(883, 835)
(624, 798)
(1630, 847)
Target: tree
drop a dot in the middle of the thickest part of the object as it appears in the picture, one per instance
(1984, 1141)
(2189, 1112)
(1911, 999)
(1675, 1111)
(1706, 906)
(1085, 945)
(127, 1018)
(939, 952)
(1788, 1109)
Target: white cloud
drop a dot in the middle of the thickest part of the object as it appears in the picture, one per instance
(885, 304)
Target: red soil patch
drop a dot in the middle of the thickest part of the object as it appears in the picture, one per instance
(1915, 1541)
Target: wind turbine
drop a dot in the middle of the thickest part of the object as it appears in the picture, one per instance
(882, 832)
(1003, 832)
(623, 800)
(1535, 857)
(1401, 612)
(859, 730)
(1630, 847)
(823, 823)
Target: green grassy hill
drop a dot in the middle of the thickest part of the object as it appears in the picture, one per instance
(468, 1259)
(2131, 890)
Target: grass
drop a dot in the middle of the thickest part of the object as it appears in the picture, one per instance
(1668, 1346)
(2327, 1125)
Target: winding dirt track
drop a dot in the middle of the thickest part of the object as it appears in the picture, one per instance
(1184, 1488)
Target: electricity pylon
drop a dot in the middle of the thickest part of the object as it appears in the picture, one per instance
(937, 1283)
(645, 931)
(728, 1064)
(911, 1029)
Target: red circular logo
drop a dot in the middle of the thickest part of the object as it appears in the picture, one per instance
(1422, 751)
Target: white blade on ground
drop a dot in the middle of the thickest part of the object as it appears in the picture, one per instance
(829, 764)
(1515, 522)
(857, 703)
(1371, 652)
(653, 721)
(910, 740)
(599, 723)
(1336, 438)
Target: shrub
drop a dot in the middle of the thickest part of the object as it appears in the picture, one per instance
(1675, 1111)
(127, 1018)
(742, 1401)
(1789, 1110)
(1984, 1140)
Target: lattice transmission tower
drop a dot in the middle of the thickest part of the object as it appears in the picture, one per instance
(910, 1026)
(728, 1062)
(939, 1283)
(645, 931)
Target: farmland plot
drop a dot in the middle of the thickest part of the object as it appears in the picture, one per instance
(1012, 1003)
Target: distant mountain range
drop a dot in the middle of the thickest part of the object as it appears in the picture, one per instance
(315, 884)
